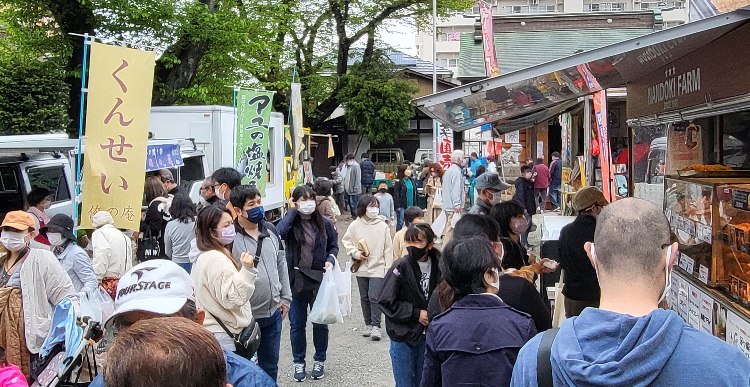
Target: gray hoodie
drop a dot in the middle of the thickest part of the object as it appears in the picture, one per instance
(272, 280)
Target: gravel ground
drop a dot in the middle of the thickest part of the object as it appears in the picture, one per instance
(353, 360)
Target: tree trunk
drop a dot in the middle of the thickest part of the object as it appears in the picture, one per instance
(76, 17)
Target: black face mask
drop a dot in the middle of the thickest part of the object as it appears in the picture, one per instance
(383, 190)
(416, 252)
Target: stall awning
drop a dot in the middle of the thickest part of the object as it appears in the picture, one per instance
(532, 119)
(541, 87)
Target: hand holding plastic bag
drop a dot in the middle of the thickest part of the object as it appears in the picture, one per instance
(326, 309)
(91, 306)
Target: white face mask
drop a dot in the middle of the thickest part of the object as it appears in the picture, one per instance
(55, 238)
(350, 163)
(528, 175)
(13, 241)
(668, 275)
(373, 212)
(496, 284)
(307, 207)
(220, 195)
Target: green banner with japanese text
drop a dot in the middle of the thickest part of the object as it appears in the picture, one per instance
(253, 117)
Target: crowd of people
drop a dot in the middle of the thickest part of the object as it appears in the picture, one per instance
(453, 288)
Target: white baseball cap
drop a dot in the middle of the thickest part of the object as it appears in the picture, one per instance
(158, 286)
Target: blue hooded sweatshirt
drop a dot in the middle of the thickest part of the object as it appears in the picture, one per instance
(602, 348)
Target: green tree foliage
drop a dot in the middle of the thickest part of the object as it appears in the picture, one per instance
(377, 100)
(33, 97)
(208, 44)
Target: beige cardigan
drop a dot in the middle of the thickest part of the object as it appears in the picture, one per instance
(377, 236)
(222, 291)
(44, 284)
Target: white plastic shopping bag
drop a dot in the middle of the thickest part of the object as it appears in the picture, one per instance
(108, 305)
(456, 217)
(91, 306)
(326, 309)
(437, 201)
(344, 286)
(438, 225)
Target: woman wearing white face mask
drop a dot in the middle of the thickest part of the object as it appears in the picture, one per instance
(39, 202)
(371, 232)
(33, 279)
(222, 287)
(311, 247)
(525, 195)
(75, 261)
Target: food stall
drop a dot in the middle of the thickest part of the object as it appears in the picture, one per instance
(693, 114)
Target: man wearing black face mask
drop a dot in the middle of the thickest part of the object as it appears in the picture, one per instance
(404, 297)
(272, 296)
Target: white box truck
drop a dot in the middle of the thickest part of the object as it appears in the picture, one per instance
(213, 130)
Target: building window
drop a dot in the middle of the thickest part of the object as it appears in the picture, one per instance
(663, 5)
(529, 9)
(441, 37)
(443, 62)
(604, 7)
(452, 62)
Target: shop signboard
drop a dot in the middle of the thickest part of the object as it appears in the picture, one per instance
(705, 75)
(513, 137)
(684, 148)
(738, 332)
(694, 307)
(117, 120)
(163, 156)
(682, 299)
(707, 307)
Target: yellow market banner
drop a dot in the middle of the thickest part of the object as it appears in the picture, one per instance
(117, 117)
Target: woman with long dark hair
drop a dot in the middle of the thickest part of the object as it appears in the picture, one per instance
(311, 247)
(180, 231)
(476, 341)
(222, 287)
(404, 193)
(157, 215)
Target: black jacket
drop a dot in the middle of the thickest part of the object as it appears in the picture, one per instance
(399, 193)
(517, 292)
(325, 250)
(368, 172)
(525, 195)
(580, 277)
(516, 255)
(402, 298)
(155, 222)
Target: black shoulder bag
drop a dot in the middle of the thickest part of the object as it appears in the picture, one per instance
(543, 359)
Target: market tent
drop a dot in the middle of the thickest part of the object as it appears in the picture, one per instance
(541, 87)
(532, 119)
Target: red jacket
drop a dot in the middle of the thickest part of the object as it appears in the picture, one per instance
(542, 176)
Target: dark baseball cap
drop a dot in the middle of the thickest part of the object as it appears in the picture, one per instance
(490, 180)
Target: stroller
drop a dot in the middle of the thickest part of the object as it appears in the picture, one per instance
(68, 348)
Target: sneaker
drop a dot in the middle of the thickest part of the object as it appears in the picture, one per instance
(318, 370)
(367, 332)
(299, 372)
(375, 334)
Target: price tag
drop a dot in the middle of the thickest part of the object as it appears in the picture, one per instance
(704, 232)
(687, 263)
(703, 274)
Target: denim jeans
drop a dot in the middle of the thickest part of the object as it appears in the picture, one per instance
(187, 266)
(353, 200)
(298, 321)
(369, 290)
(399, 218)
(554, 196)
(270, 344)
(407, 361)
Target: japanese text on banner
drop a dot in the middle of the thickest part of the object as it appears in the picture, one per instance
(445, 146)
(117, 119)
(253, 120)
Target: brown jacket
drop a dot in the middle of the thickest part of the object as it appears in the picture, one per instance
(12, 334)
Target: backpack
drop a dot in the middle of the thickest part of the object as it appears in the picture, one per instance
(543, 360)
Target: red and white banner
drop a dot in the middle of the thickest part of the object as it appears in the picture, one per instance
(605, 154)
(488, 38)
(445, 146)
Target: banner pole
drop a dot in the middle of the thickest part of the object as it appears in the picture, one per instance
(234, 132)
(86, 43)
